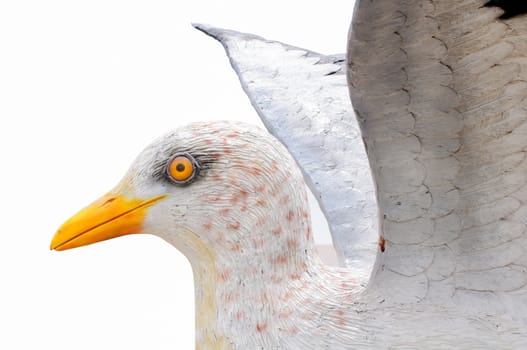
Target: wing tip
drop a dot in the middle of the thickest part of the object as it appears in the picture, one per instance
(229, 38)
(224, 35)
(510, 8)
(207, 29)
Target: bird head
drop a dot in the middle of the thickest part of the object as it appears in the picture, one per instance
(216, 186)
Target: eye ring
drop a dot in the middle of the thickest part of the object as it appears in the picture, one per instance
(182, 169)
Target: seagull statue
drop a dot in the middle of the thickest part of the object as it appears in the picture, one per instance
(423, 182)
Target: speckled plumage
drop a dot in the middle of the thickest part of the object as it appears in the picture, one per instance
(439, 89)
(244, 226)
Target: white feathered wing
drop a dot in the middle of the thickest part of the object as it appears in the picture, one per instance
(440, 89)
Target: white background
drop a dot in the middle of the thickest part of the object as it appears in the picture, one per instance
(84, 86)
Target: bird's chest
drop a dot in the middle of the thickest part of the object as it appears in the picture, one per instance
(240, 316)
(264, 321)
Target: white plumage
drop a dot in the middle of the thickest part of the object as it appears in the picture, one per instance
(439, 91)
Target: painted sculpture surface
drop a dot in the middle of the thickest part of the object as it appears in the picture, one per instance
(439, 89)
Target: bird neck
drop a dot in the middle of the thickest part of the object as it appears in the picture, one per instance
(245, 282)
(241, 296)
(248, 302)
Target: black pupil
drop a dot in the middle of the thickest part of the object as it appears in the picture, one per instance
(180, 167)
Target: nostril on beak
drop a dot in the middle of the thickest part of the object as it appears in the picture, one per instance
(108, 201)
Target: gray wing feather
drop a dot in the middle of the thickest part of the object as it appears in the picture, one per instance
(440, 88)
(303, 100)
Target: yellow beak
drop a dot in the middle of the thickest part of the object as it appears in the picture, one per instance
(108, 217)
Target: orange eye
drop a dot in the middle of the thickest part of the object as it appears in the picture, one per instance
(182, 169)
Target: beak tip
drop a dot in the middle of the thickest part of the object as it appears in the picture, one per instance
(54, 245)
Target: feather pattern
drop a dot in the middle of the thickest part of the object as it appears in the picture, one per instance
(303, 100)
(440, 90)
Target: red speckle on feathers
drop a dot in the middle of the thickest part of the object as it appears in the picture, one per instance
(254, 171)
(292, 243)
(215, 156)
(224, 275)
(260, 327)
(262, 221)
(234, 134)
(235, 247)
(242, 195)
(277, 231)
(235, 226)
(295, 276)
(258, 243)
(280, 260)
(284, 200)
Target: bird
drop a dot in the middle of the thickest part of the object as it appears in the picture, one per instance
(422, 179)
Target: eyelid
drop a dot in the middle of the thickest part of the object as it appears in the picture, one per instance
(186, 180)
